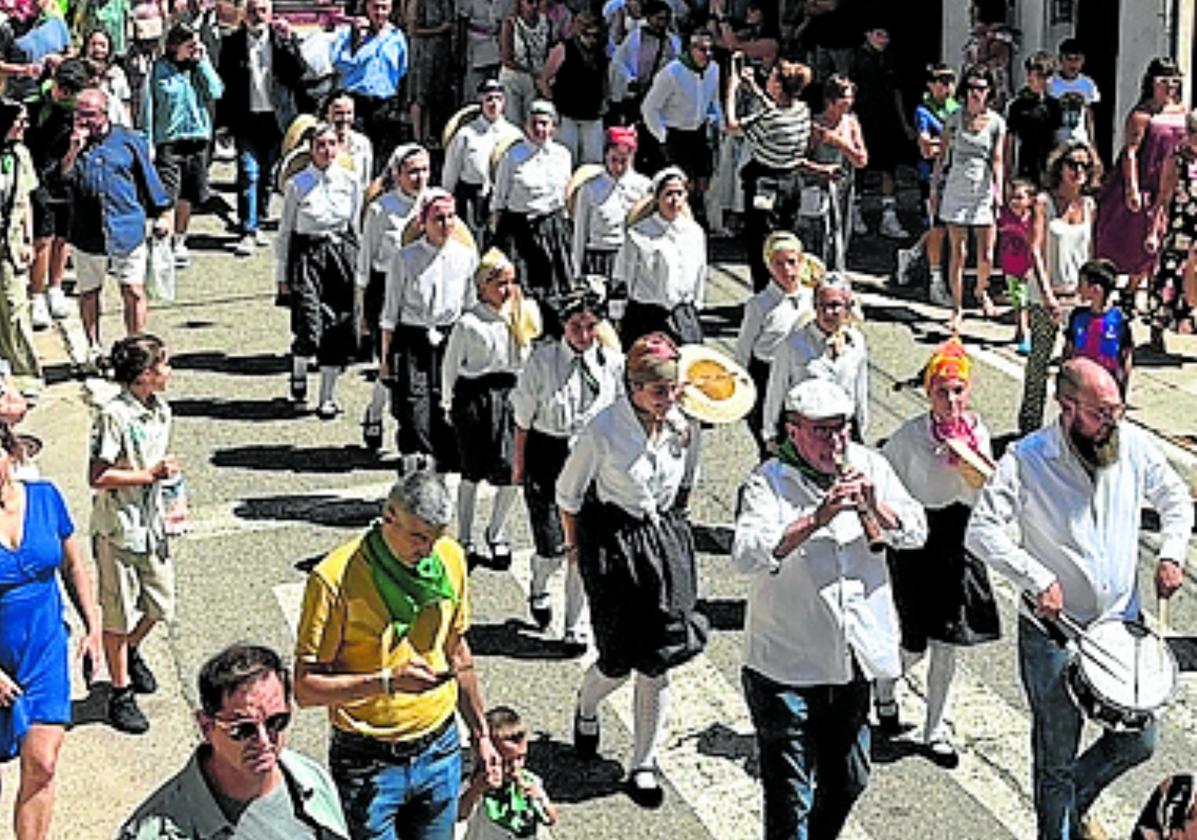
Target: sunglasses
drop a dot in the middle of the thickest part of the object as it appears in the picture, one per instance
(1078, 165)
(978, 88)
(243, 730)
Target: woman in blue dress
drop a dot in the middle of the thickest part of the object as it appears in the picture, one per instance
(37, 544)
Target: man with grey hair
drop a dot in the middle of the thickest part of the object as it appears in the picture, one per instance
(381, 643)
(1075, 490)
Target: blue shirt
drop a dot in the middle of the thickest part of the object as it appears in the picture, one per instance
(112, 185)
(929, 119)
(376, 67)
(176, 102)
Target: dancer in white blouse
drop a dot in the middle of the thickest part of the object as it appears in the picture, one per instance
(486, 351)
(827, 348)
(601, 205)
(466, 172)
(663, 263)
(564, 385)
(315, 259)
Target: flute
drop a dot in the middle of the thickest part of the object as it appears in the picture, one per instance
(868, 521)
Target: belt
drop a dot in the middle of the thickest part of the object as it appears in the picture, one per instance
(393, 751)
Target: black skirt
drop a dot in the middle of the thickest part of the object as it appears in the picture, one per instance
(688, 149)
(758, 371)
(641, 581)
(599, 262)
(680, 323)
(541, 248)
(320, 275)
(940, 590)
(473, 208)
(416, 397)
(484, 424)
(372, 303)
(543, 459)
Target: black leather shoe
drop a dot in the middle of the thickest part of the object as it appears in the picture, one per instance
(585, 743)
(372, 434)
(123, 714)
(644, 788)
(141, 678)
(500, 556)
(540, 610)
(888, 723)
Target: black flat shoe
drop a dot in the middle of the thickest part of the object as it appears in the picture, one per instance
(888, 723)
(372, 434)
(500, 555)
(540, 610)
(644, 788)
(585, 743)
(941, 752)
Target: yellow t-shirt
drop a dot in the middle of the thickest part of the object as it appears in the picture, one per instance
(345, 622)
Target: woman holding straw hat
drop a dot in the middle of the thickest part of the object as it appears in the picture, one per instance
(601, 204)
(663, 262)
(622, 494)
(772, 314)
(428, 286)
(486, 351)
(941, 591)
(564, 385)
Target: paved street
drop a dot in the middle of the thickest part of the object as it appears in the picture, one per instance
(272, 492)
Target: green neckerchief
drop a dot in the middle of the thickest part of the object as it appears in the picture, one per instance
(406, 590)
(787, 453)
(688, 62)
(942, 112)
(508, 808)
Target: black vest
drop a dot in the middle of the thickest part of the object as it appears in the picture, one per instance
(578, 84)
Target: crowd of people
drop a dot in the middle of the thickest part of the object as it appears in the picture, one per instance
(503, 210)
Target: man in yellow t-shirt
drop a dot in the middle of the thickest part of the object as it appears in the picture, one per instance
(381, 643)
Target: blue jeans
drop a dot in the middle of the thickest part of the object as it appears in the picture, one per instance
(258, 145)
(398, 799)
(814, 752)
(1067, 785)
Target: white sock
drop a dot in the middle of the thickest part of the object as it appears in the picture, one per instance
(542, 569)
(884, 691)
(595, 687)
(467, 492)
(179, 239)
(299, 367)
(499, 511)
(575, 596)
(378, 401)
(650, 702)
(888, 202)
(937, 277)
(940, 671)
(328, 383)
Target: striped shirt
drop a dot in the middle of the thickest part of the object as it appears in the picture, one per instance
(778, 137)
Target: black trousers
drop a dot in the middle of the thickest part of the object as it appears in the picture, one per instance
(783, 190)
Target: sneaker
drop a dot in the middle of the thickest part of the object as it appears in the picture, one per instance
(141, 678)
(60, 306)
(182, 255)
(890, 226)
(1023, 348)
(261, 239)
(245, 245)
(39, 312)
(938, 292)
(123, 714)
(859, 228)
(905, 257)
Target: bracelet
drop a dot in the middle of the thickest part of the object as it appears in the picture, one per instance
(386, 681)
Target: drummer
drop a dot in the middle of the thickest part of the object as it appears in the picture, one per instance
(1075, 490)
(466, 172)
(941, 591)
(601, 204)
(561, 389)
(770, 315)
(382, 231)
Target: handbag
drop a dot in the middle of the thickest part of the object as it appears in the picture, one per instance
(159, 269)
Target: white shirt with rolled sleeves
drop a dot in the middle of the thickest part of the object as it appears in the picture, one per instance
(830, 597)
(532, 179)
(382, 234)
(551, 395)
(769, 316)
(628, 469)
(601, 208)
(480, 343)
(428, 286)
(804, 355)
(664, 263)
(1077, 529)
(316, 202)
(468, 157)
(681, 98)
(921, 463)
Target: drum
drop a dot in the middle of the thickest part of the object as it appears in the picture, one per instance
(1122, 675)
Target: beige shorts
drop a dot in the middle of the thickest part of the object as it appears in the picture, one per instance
(90, 269)
(132, 583)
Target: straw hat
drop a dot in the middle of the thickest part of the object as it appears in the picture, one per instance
(504, 143)
(463, 116)
(461, 233)
(645, 207)
(715, 389)
(297, 131)
(583, 174)
(297, 161)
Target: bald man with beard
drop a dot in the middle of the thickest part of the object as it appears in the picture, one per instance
(1075, 489)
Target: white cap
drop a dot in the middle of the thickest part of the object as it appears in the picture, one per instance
(819, 399)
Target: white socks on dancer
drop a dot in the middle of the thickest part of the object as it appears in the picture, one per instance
(575, 595)
(467, 493)
(650, 704)
(940, 671)
(595, 687)
(378, 402)
(328, 383)
(299, 367)
(496, 531)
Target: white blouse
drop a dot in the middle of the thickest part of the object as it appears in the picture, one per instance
(640, 475)
(316, 202)
(532, 179)
(362, 151)
(552, 395)
(804, 355)
(601, 207)
(468, 157)
(427, 286)
(481, 343)
(922, 463)
(769, 316)
(382, 233)
(664, 263)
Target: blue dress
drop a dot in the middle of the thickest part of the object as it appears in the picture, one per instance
(33, 635)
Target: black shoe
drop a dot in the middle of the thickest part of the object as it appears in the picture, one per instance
(372, 434)
(941, 752)
(141, 678)
(540, 610)
(500, 555)
(123, 714)
(299, 389)
(585, 743)
(644, 788)
(888, 723)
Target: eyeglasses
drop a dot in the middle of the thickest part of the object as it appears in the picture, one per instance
(1079, 165)
(978, 88)
(1105, 413)
(244, 729)
(825, 431)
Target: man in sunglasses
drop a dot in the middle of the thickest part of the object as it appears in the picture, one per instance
(243, 781)
(1075, 489)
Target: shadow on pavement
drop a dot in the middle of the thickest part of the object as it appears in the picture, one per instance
(216, 409)
(328, 510)
(214, 361)
(569, 779)
(514, 639)
(725, 614)
(296, 459)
